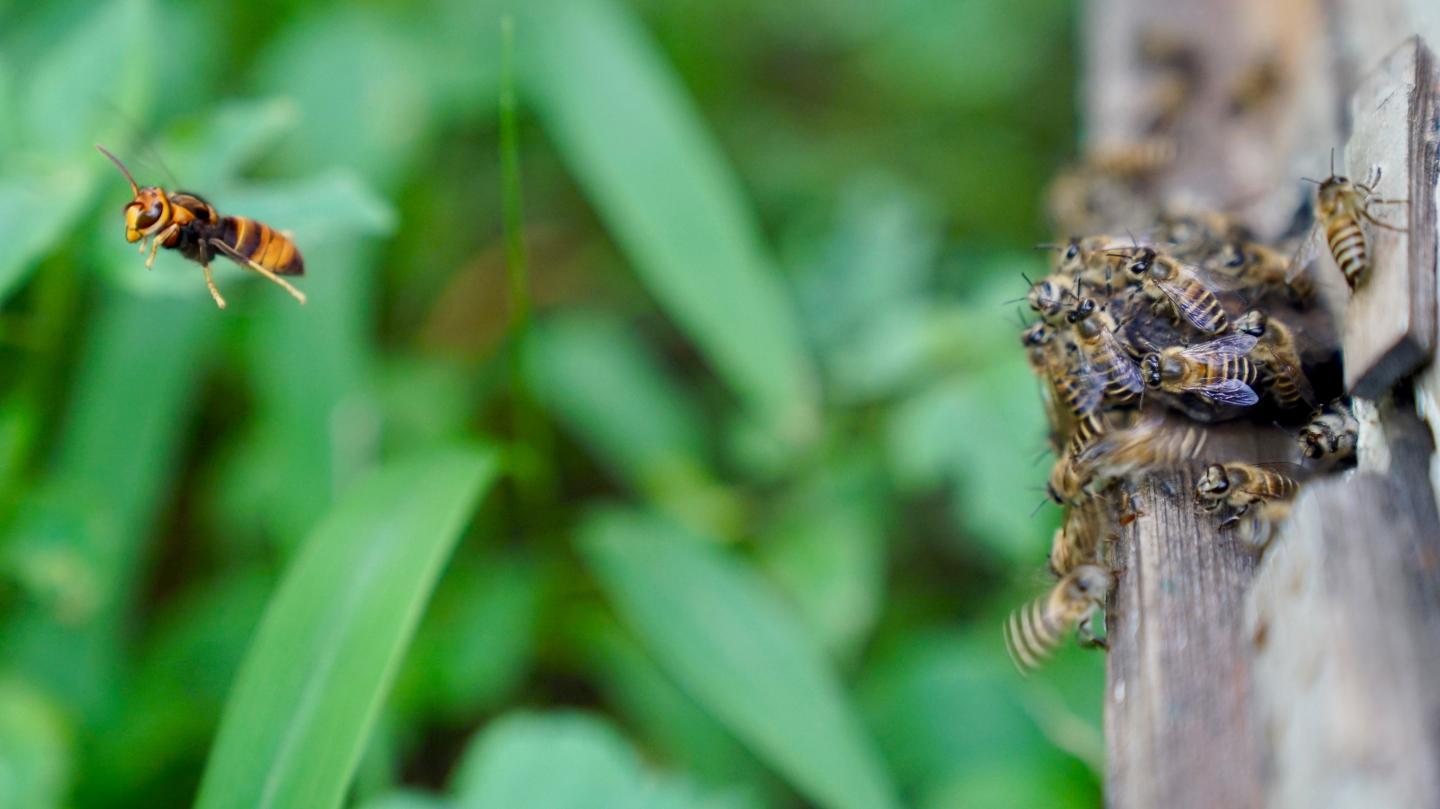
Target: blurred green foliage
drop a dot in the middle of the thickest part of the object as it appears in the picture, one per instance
(762, 465)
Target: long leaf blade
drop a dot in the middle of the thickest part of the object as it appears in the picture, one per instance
(639, 149)
(327, 649)
(741, 653)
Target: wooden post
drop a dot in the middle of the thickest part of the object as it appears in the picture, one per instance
(1311, 678)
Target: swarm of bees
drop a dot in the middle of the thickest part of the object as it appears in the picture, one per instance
(1141, 341)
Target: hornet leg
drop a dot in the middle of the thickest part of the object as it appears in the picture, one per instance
(210, 282)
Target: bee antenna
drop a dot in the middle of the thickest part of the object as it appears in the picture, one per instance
(1013, 300)
(113, 159)
(1048, 246)
(1310, 180)
(1028, 282)
(1038, 506)
(1133, 242)
(1332, 161)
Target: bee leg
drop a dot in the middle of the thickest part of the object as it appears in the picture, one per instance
(1369, 217)
(252, 265)
(210, 282)
(1085, 634)
(160, 238)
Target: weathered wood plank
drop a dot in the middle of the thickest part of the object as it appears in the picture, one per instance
(1344, 620)
(1390, 323)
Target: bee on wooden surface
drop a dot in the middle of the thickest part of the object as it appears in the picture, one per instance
(1331, 435)
(1189, 299)
(1175, 62)
(1257, 87)
(1341, 205)
(1236, 487)
(1092, 261)
(1150, 445)
(1078, 541)
(1218, 371)
(1134, 161)
(187, 223)
(1262, 270)
(1034, 631)
(1275, 349)
(1100, 353)
(1257, 527)
(1068, 482)
(1047, 297)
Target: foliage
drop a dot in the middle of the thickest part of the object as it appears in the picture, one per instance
(761, 464)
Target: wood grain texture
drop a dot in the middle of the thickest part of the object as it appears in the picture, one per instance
(1344, 621)
(1390, 323)
(1178, 701)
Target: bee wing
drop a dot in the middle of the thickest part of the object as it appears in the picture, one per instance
(1230, 391)
(1122, 370)
(1186, 306)
(1234, 344)
(1305, 252)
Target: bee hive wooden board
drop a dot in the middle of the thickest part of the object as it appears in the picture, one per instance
(1390, 321)
(1344, 625)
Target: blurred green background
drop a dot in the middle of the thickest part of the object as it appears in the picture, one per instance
(707, 483)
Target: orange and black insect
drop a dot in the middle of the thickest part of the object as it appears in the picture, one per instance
(186, 222)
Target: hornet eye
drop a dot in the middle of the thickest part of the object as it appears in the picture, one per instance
(149, 216)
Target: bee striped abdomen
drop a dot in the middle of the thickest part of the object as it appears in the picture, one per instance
(262, 244)
(1285, 387)
(1032, 634)
(1210, 317)
(1347, 245)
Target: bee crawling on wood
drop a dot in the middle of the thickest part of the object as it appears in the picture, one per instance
(1331, 435)
(1172, 284)
(187, 223)
(1275, 348)
(1034, 631)
(1341, 204)
(1218, 371)
(1236, 487)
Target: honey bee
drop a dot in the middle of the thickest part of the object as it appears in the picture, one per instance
(1092, 261)
(1331, 435)
(1150, 445)
(1217, 371)
(1100, 355)
(185, 222)
(1275, 348)
(1077, 541)
(1257, 86)
(1257, 527)
(1237, 487)
(1034, 631)
(1069, 481)
(1165, 279)
(1340, 206)
(1047, 297)
(1134, 161)
(1263, 270)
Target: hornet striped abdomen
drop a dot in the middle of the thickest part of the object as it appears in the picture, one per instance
(262, 244)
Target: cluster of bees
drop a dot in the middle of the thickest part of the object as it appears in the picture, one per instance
(1141, 341)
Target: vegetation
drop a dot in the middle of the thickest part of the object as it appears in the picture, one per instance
(660, 441)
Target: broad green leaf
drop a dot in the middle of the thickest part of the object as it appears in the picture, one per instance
(665, 716)
(826, 550)
(608, 387)
(35, 748)
(949, 706)
(407, 800)
(565, 761)
(333, 634)
(93, 83)
(656, 177)
(736, 647)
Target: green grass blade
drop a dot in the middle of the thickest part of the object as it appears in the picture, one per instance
(741, 653)
(332, 637)
(655, 175)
